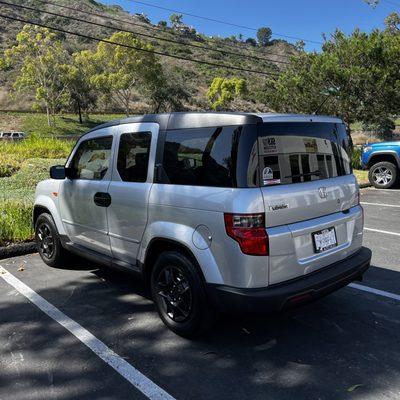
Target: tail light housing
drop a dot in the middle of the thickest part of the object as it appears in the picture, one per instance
(249, 231)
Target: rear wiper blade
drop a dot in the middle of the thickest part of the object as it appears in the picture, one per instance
(316, 173)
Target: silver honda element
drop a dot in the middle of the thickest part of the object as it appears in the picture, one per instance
(218, 212)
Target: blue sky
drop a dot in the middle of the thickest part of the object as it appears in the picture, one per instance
(307, 19)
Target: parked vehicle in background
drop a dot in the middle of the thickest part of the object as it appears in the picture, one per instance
(216, 211)
(383, 161)
(12, 135)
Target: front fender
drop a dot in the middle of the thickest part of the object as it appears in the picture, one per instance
(183, 235)
(47, 197)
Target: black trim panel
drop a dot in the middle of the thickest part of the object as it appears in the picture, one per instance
(98, 258)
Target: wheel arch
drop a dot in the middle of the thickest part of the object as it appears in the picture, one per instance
(384, 156)
(159, 245)
(45, 204)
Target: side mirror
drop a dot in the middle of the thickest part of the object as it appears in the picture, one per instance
(57, 172)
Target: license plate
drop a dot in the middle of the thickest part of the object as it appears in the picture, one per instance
(324, 240)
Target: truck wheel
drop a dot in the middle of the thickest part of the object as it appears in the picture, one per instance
(179, 295)
(383, 175)
(48, 242)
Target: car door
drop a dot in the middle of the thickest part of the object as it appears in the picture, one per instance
(130, 187)
(83, 197)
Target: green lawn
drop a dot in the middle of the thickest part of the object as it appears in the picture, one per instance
(66, 124)
(362, 176)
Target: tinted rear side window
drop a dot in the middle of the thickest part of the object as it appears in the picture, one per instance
(301, 152)
(217, 156)
(133, 156)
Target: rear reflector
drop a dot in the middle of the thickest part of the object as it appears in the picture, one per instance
(249, 231)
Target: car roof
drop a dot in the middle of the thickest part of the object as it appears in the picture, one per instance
(185, 120)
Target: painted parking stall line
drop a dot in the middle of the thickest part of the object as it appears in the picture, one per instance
(375, 291)
(126, 370)
(379, 204)
(381, 231)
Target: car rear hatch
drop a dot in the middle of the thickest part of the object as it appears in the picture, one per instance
(309, 196)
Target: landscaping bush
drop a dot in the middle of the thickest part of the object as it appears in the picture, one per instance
(34, 147)
(355, 158)
(15, 222)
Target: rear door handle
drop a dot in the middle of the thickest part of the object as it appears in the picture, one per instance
(102, 199)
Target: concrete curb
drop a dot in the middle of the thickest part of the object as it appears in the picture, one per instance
(19, 249)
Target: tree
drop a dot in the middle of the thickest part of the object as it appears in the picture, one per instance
(176, 20)
(251, 41)
(162, 24)
(299, 45)
(82, 95)
(355, 77)
(165, 92)
(40, 63)
(118, 71)
(392, 23)
(264, 36)
(223, 91)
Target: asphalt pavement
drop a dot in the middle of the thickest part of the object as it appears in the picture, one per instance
(92, 333)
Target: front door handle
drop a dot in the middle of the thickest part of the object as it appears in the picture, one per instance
(102, 199)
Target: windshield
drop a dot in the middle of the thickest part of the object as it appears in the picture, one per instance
(296, 152)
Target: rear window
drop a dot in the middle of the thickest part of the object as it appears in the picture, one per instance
(301, 152)
(217, 156)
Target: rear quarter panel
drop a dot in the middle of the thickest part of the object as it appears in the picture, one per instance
(175, 211)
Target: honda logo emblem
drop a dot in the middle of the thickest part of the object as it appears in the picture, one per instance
(322, 192)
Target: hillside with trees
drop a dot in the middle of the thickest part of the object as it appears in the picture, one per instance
(189, 80)
(84, 56)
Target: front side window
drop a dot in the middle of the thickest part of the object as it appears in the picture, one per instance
(216, 156)
(301, 152)
(92, 159)
(133, 156)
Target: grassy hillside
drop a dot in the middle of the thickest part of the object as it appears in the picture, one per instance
(196, 77)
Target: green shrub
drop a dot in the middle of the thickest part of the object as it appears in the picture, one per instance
(7, 170)
(15, 222)
(355, 158)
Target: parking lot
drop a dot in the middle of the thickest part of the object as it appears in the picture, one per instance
(92, 333)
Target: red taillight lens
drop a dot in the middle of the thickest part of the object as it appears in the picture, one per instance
(249, 231)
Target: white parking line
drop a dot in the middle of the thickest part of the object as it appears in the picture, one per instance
(379, 204)
(375, 291)
(380, 231)
(130, 373)
(382, 190)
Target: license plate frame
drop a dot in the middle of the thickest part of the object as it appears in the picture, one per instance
(331, 231)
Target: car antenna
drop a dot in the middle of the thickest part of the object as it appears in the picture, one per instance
(329, 93)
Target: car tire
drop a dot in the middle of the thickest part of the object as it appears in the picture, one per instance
(48, 242)
(179, 295)
(383, 175)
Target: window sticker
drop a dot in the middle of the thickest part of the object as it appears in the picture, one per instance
(269, 145)
(268, 173)
(272, 182)
(310, 145)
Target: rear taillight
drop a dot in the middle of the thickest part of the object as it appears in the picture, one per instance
(249, 231)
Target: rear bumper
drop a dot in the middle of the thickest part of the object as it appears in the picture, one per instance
(294, 292)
